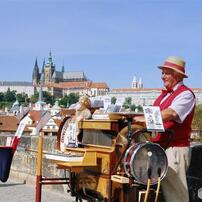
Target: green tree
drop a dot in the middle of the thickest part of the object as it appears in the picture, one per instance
(67, 100)
(21, 97)
(27, 101)
(139, 108)
(197, 120)
(34, 98)
(133, 107)
(63, 101)
(127, 102)
(113, 100)
(10, 96)
(5, 104)
(48, 98)
(1, 97)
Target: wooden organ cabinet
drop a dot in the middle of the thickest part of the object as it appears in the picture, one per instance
(97, 171)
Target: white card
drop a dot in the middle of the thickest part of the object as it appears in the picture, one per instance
(153, 118)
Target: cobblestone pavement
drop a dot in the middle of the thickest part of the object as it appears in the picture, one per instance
(13, 191)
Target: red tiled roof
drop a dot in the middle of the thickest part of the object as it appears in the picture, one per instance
(135, 89)
(8, 123)
(65, 112)
(35, 115)
(99, 85)
(78, 84)
(75, 84)
(197, 89)
(144, 89)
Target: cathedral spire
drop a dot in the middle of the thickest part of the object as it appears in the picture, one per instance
(35, 74)
(36, 63)
(50, 58)
(63, 67)
(43, 66)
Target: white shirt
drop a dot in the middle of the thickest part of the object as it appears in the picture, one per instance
(182, 104)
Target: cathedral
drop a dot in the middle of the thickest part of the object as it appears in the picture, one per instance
(49, 74)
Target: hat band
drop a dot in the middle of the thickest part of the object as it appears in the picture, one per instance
(178, 67)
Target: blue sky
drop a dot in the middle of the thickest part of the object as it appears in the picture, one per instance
(110, 40)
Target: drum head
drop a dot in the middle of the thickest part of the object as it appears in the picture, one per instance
(146, 160)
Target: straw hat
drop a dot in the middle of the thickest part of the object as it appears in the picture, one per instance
(175, 63)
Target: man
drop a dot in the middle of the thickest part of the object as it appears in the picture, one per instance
(177, 103)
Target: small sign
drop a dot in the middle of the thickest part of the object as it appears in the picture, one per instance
(107, 102)
(70, 138)
(153, 118)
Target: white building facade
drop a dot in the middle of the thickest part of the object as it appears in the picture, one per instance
(19, 87)
(146, 96)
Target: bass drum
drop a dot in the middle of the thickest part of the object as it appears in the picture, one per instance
(145, 160)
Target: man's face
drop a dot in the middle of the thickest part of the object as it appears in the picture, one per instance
(168, 77)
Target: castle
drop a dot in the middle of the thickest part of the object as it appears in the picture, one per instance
(49, 74)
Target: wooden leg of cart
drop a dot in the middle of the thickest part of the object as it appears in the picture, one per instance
(130, 193)
(39, 168)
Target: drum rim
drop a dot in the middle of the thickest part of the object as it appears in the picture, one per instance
(124, 161)
(137, 147)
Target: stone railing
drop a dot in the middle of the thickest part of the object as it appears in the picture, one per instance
(24, 164)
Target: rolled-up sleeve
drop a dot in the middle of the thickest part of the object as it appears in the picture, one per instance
(183, 105)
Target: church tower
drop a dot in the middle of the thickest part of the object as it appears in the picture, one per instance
(137, 84)
(134, 82)
(49, 69)
(35, 74)
(49, 74)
